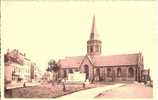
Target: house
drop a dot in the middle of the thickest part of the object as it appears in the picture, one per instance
(18, 68)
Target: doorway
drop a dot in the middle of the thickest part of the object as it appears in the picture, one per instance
(86, 70)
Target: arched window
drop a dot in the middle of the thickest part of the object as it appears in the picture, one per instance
(118, 72)
(109, 72)
(91, 49)
(97, 48)
(130, 72)
(98, 72)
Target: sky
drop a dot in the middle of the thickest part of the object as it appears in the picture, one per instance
(54, 30)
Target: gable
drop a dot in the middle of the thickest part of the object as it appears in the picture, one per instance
(86, 61)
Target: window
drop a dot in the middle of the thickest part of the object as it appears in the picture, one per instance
(87, 49)
(118, 72)
(91, 49)
(98, 72)
(97, 48)
(130, 72)
(108, 72)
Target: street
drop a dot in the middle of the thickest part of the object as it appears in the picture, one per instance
(128, 91)
(90, 93)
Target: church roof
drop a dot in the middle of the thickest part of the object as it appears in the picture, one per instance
(71, 62)
(116, 60)
(113, 60)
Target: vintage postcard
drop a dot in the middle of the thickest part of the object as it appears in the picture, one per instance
(69, 49)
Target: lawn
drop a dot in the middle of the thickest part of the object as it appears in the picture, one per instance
(47, 90)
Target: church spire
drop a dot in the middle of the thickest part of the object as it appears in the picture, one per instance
(93, 35)
(93, 26)
(93, 44)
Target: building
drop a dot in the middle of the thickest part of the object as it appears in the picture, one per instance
(36, 74)
(14, 60)
(125, 67)
(145, 75)
(18, 68)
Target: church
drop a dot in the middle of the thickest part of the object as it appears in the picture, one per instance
(124, 67)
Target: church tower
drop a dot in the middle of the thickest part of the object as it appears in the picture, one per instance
(94, 44)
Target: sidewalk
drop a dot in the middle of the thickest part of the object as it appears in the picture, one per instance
(89, 93)
(18, 85)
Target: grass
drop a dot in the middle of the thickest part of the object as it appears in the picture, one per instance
(47, 91)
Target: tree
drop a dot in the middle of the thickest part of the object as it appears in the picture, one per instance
(6, 58)
(54, 68)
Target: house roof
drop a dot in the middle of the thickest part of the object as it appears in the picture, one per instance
(113, 60)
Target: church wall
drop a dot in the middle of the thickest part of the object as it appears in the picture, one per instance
(113, 75)
(134, 76)
(106, 77)
(124, 73)
(100, 76)
(104, 74)
(116, 77)
(123, 76)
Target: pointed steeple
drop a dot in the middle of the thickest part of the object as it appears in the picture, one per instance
(94, 44)
(93, 30)
(93, 35)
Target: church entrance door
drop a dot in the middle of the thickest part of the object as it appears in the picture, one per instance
(86, 70)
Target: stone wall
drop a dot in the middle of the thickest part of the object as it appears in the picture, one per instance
(101, 73)
(114, 76)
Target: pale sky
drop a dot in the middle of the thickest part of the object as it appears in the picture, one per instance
(53, 30)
